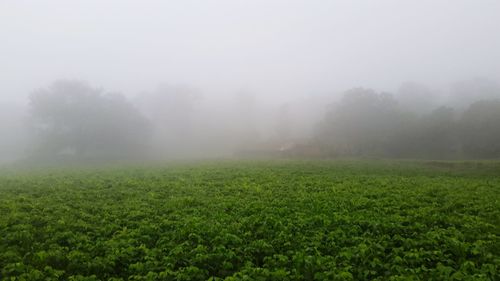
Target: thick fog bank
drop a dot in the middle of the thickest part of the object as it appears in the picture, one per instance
(116, 81)
(71, 120)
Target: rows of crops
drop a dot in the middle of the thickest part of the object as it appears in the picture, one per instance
(281, 220)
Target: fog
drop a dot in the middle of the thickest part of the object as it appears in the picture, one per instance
(160, 80)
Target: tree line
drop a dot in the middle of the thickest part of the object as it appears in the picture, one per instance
(369, 123)
(72, 119)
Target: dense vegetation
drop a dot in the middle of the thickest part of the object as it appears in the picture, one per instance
(278, 220)
(71, 120)
(367, 123)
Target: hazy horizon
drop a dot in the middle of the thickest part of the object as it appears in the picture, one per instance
(218, 77)
(275, 49)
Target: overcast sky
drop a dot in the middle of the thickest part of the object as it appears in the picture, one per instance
(273, 48)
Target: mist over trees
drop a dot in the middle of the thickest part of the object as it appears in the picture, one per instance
(14, 132)
(219, 79)
(368, 123)
(170, 109)
(72, 120)
(362, 123)
(416, 98)
(479, 129)
(464, 93)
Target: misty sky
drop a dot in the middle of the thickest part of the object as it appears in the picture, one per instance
(272, 48)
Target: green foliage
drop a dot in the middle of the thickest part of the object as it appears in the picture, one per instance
(279, 220)
(74, 121)
(366, 123)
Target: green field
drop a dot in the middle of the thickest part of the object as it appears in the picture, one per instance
(253, 220)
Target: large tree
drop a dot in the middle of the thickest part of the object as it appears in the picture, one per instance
(436, 134)
(480, 129)
(363, 122)
(73, 119)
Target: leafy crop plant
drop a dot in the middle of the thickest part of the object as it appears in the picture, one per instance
(253, 220)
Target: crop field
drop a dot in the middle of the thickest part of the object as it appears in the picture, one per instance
(253, 220)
